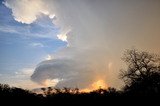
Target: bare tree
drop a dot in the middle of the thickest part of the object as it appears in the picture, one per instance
(140, 64)
(142, 75)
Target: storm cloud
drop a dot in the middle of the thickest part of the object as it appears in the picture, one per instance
(97, 31)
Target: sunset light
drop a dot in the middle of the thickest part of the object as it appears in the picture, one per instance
(96, 85)
(99, 84)
(51, 82)
(80, 48)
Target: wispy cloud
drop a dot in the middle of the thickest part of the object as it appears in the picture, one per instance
(22, 74)
(28, 31)
(37, 45)
(25, 72)
(9, 29)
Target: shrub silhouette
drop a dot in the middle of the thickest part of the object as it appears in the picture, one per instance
(17, 95)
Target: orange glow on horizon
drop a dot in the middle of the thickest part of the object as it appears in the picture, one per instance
(99, 84)
(96, 85)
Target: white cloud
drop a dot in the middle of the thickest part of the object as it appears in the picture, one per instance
(25, 15)
(51, 82)
(37, 45)
(48, 57)
(52, 16)
(62, 37)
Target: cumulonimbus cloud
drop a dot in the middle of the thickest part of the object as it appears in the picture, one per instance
(98, 32)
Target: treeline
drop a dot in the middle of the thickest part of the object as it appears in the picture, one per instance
(54, 95)
(142, 80)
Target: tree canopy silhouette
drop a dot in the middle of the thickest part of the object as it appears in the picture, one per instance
(142, 76)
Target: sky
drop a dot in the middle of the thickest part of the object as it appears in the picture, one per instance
(23, 46)
(73, 43)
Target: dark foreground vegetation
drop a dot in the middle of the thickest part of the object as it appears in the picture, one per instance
(142, 84)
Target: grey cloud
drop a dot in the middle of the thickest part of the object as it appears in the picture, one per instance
(69, 71)
(100, 31)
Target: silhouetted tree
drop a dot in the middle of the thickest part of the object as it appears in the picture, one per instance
(75, 91)
(66, 90)
(57, 90)
(111, 90)
(44, 91)
(142, 76)
(49, 91)
(16, 95)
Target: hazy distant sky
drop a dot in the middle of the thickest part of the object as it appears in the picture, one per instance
(73, 42)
